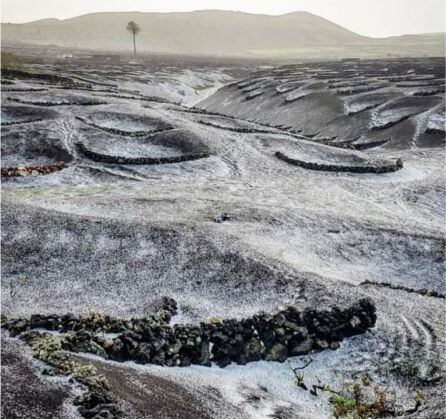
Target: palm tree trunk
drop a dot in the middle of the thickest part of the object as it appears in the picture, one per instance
(134, 43)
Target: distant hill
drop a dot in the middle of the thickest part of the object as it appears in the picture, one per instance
(214, 32)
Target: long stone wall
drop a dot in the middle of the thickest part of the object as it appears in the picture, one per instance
(366, 168)
(105, 158)
(271, 337)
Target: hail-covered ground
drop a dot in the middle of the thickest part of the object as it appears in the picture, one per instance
(171, 186)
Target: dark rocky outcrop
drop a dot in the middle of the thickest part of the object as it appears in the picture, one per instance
(221, 218)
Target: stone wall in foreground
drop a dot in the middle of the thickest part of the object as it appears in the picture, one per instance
(272, 337)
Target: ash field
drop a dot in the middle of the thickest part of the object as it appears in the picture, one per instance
(304, 201)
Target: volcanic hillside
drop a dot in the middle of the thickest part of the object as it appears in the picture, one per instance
(296, 214)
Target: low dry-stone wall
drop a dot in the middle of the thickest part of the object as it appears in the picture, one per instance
(366, 168)
(91, 102)
(116, 131)
(29, 121)
(289, 332)
(19, 74)
(106, 158)
(423, 291)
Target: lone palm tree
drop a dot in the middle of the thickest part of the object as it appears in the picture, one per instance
(134, 29)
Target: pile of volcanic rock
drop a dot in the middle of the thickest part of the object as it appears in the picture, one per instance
(272, 337)
(32, 170)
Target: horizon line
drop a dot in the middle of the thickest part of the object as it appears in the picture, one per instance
(214, 10)
(165, 13)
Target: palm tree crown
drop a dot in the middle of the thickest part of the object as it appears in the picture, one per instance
(133, 27)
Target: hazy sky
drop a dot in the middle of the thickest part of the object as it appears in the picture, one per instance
(367, 17)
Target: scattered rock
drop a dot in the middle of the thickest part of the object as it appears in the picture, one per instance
(224, 216)
(278, 353)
